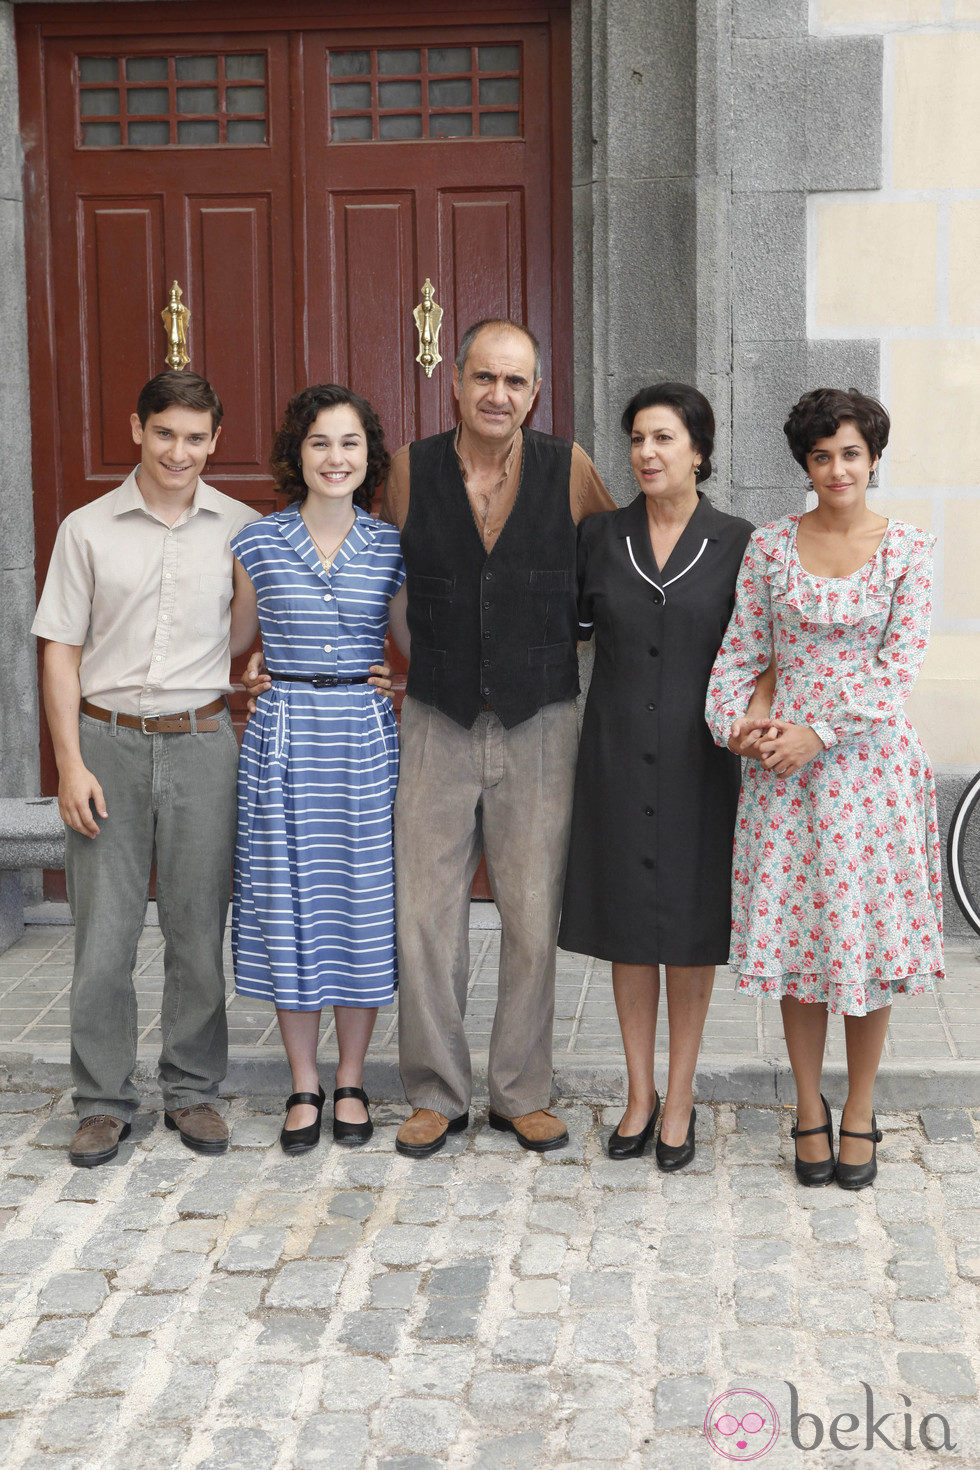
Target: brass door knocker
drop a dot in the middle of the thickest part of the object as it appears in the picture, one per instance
(175, 318)
(428, 320)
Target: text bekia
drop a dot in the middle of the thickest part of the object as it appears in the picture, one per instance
(807, 1430)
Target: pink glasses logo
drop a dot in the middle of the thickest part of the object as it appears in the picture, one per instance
(741, 1425)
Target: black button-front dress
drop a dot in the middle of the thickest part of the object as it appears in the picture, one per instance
(650, 854)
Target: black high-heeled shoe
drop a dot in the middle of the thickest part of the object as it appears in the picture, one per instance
(858, 1176)
(671, 1156)
(351, 1133)
(822, 1170)
(301, 1140)
(631, 1145)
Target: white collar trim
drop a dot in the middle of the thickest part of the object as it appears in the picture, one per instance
(660, 589)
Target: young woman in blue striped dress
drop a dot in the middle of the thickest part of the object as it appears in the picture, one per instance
(313, 913)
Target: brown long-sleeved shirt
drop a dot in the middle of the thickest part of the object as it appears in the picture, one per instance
(587, 493)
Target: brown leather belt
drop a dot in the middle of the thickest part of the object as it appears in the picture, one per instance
(179, 724)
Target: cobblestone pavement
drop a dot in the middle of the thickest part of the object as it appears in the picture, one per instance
(483, 1308)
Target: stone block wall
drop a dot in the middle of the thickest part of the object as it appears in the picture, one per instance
(901, 265)
(806, 116)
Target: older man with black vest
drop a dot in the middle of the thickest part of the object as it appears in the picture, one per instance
(487, 514)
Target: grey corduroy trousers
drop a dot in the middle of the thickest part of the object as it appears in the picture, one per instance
(506, 793)
(172, 798)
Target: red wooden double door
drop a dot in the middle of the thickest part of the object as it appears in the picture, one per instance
(300, 170)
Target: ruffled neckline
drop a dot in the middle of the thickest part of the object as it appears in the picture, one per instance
(862, 594)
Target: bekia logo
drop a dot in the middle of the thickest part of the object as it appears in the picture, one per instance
(742, 1425)
(933, 1429)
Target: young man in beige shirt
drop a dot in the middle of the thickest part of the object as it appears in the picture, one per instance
(138, 612)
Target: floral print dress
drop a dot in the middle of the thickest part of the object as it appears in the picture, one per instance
(836, 882)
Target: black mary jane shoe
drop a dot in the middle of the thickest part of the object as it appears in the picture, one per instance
(859, 1176)
(351, 1133)
(671, 1156)
(821, 1171)
(301, 1140)
(631, 1145)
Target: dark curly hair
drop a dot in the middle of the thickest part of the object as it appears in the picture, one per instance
(301, 413)
(691, 407)
(820, 413)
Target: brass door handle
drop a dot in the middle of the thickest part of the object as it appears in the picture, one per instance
(428, 320)
(175, 318)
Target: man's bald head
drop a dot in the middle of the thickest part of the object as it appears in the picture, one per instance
(500, 323)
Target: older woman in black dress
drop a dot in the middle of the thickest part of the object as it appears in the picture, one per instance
(649, 867)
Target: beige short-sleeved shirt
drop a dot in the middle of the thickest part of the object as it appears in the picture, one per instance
(587, 493)
(148, 603)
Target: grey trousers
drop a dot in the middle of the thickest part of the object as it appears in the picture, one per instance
(172, 796)
(507, 793)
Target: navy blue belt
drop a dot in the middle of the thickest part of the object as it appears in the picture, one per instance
(319, 681)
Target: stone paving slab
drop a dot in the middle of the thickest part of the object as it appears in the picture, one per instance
(932, 1050)
(487, 1307)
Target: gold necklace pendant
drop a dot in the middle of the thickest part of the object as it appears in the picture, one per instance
(326, 557)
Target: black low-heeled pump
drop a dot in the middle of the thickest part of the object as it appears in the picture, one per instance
(351, 1133)
(822, 1170)
(672, 1156)
(631, 1145)
(858, 1176)
(301, 1140)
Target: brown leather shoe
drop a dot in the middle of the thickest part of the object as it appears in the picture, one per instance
(201, 1127)
(424, 1132)
(96, 1140)
(539, 1131)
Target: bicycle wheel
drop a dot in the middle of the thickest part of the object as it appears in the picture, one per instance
(963, 853)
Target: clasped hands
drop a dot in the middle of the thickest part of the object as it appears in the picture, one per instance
(780, 746)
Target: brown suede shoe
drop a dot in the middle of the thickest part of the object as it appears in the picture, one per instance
(201, 1127)
(96, 1140)
(424, 1132)
(539, 1131)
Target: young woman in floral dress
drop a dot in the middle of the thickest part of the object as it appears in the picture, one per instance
(836, 897)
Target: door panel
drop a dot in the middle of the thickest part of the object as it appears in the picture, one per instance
(122, 245)
(230, 262)
(481, 253)
(371, 240)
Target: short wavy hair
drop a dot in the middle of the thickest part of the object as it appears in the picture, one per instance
(820, 413)
(691, 407)
(176, 389)
(301, 413)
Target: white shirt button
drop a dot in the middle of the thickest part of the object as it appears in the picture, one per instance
(158, 658)
(328, 648)
(168, 576)
(327, 597)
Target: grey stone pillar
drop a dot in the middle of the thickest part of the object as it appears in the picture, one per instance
(19, 765)
(792, 134)
(700, 126)
(633, 178)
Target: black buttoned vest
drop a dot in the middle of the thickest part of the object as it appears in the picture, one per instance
(493, 629)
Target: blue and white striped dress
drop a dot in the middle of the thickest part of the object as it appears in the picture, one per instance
(313, 914)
